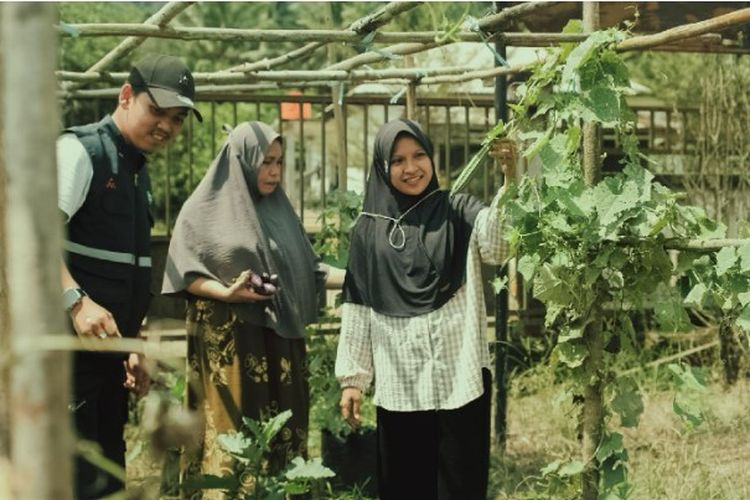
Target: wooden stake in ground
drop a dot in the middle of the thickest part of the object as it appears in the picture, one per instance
(41, 436)
(593, 409)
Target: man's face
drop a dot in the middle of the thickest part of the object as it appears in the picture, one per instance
(145, 125)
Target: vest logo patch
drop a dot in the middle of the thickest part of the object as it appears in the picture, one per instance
(111, 184)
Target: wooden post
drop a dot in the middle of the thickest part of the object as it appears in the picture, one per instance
(339, 120)
(411, 92)
(340, 124)
(41, 437)
(5, 463)
(501, 299)
(592, 414)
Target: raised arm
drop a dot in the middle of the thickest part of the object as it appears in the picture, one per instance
(489, 227)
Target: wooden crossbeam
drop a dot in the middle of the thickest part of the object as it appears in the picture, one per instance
(159, 19)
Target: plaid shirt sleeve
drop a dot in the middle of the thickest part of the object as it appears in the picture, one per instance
(489, 228)
(354, 354)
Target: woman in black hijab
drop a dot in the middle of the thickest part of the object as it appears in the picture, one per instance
(414, 320)
(246, 350)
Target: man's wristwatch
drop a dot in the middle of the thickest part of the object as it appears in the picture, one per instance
(71, 298)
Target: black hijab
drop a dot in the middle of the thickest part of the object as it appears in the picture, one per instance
(419, 270)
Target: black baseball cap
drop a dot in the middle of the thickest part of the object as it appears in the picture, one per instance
(167, 80)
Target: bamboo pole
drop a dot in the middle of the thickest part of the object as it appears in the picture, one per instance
(361, 26)
(302, 35)
(593, 366)
(473, 75)
(718, 23)
(352, 34)
(42, 441)
(318, 38)
(267, 64)
(485, 24)
(159, 19)
(382, 16)
(461, 75)
(283, 76)
(495, 21)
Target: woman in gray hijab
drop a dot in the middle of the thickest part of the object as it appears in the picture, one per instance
(246, 350)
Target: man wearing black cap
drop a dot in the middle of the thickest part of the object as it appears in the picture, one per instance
(104, 193)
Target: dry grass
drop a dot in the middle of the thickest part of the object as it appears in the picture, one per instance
(667, 459)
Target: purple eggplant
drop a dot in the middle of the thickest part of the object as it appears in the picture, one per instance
(256, 282)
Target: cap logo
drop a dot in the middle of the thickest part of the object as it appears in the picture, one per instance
(183, 80)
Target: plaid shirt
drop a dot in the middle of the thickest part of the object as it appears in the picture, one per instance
(432, 361)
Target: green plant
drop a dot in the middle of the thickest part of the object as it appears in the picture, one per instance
(332, 244)
(720, 286)
(338, 218)
(592, 250)
(325, 391)
(250, 478)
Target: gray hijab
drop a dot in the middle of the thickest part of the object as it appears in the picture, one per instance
(226, 226)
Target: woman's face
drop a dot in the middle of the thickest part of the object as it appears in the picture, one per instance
(410, 166)
(269, 173)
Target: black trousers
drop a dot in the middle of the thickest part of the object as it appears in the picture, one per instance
(441, 455)
(100, 411)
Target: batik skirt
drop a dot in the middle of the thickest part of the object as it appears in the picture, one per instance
(238, 370)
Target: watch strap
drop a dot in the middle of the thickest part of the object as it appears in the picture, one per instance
(71, 297)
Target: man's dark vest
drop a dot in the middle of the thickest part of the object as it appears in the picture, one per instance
(108, 245)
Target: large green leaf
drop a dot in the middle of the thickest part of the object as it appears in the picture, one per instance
(611, 444)
(743, 320)
(311, 469)
(696, 296)
(571, 354)
(725, 259)
(744, 254)
(548, 287)
(605, 103)
(627, 402)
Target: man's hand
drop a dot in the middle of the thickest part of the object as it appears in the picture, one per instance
(137, 379)
(351, 399)
(505, 152)
(92, 320)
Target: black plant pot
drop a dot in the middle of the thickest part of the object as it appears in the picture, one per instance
(354, 461)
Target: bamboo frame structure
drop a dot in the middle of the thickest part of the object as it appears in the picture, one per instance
(257, 76)
(695, 36)
(159, 19)
(701, 36)
(361, 26)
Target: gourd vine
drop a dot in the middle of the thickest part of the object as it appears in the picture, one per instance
(593, 253)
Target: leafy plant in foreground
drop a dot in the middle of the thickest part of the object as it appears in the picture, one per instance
(250, 479)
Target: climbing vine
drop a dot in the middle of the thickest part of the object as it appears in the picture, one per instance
(591, 253)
